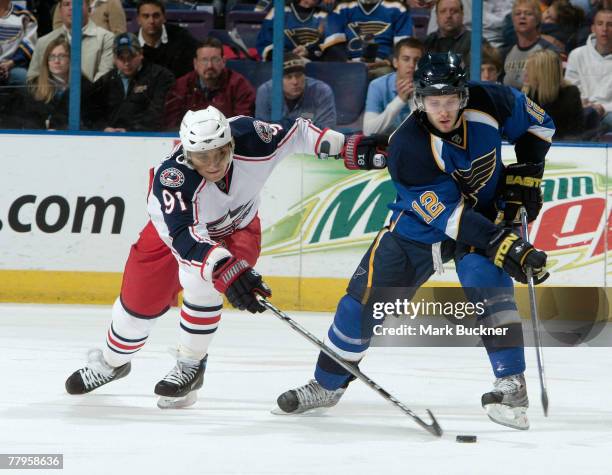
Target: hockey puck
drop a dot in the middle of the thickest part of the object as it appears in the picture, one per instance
(466, 439)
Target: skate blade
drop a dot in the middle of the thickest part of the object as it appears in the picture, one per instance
(177, 402)
(317, 411)
(513, 417)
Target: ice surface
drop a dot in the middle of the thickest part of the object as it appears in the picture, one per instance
(119, 430)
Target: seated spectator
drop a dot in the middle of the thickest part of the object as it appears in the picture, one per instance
(526, 18)
(560, 24)
(304, 24)
(96, 46)
(303, 96)
(17, 38)
(493, 15)
(366, 31)
(589, 67)
(162, 43)
(491, 64)
(107, 14)
(44, 104)
(389, 98)
(132, 95)
(209, 84)
(451, 34)
(544, 84)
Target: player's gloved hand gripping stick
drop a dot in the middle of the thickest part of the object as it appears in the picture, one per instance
(433, 427)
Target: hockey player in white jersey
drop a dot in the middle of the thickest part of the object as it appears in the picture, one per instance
(203, 237)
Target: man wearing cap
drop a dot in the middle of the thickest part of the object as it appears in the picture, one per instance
(96, 46)
(132, 95)
(303, 96)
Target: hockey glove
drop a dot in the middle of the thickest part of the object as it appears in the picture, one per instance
(329, 144)
(510, 252)
(521, 187)
(365, 153)
(240, 283)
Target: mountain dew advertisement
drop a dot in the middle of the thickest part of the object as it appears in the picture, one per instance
(324, 217)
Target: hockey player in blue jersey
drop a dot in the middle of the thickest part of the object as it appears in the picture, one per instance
(445, 163)
(303, 32)
(365, 30)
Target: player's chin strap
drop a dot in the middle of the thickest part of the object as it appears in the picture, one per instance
(433, 428)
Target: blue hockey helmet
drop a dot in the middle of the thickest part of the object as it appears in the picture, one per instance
(439, 74)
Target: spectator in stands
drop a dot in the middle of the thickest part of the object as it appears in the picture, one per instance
(544, 84)
(96, 46)
(304, 24)
(491, 64)
(132, 95)
(165, 44)
(107, 14)
(590, 67)
(209, 84)
(526, 18)
(303, 96)
(451, 34)
(493, 15)
(44, 104)
(389, 98)
(560, 24)
(366, 31)
(17, 38)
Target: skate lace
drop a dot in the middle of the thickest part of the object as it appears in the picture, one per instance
(94, 378)
(313, 394)
(182, 373)
(508, 385)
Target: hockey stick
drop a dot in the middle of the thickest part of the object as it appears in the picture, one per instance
(535, 321)
(433, 428)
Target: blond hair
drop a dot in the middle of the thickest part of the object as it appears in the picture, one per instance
(534, 4)
(43, 90)
(544, 76)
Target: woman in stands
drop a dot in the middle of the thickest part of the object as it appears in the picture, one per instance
(44, 103)
(544, 84)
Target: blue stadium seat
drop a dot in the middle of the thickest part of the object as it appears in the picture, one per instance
(256, 72)
(243, 16)
(420, 21)
(349, 81)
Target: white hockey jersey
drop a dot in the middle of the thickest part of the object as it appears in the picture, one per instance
(191, 214)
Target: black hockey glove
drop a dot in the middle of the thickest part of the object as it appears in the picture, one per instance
(510, 252)
(240, 283)
(365, 153)
(521, 187)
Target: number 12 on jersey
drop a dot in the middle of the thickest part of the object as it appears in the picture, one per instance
(428, 207)
(170, 200)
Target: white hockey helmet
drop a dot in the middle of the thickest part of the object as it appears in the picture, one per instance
(205, 129)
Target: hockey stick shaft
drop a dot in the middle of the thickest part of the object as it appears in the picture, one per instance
(433, 428)
(535, 321)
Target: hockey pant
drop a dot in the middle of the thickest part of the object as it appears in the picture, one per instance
(152, 280)
(396, 262)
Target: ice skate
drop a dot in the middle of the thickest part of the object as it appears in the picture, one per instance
(508, 402)
(179, 387)
(96, 373)
(307, 397)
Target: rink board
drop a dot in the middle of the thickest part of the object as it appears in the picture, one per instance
(68, 219)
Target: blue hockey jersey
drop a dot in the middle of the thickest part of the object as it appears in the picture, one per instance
(387, 23)
(447, 184)
(298, 31)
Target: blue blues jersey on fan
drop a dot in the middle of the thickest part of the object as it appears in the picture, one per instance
(387, 22)
(446, 184)
(299, 31)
